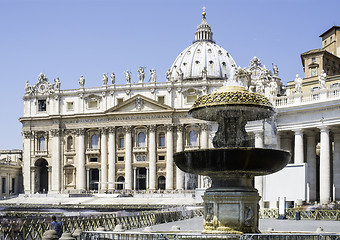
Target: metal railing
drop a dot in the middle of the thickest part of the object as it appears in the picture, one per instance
(330, 215)
(180, 236)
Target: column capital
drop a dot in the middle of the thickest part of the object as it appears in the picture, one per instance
(324, 129)
(204, 126)
(28, 134)
(152, 128)
(127, 129)
(169, 127)
(104, 130)
(179, 127)
(111, 129)
(55, 132)
(80, 131)
(298, 131)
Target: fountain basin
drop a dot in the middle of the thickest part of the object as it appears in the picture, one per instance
(238, 160)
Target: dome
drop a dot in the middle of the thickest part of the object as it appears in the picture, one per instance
(203, 59)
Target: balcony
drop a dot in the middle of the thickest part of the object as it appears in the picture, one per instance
(92, 151)
(41, 153)
(70, 152)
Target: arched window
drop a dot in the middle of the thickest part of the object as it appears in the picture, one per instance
(161, 183)
(141, 139)
(94, 141)
(42, 144)
(121, 141)
(69, 143)
(122, 180)
(161, 141)
(192, 138)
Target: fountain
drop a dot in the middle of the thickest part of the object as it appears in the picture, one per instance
(231, 203)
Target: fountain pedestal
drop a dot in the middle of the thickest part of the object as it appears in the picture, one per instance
(232, 209)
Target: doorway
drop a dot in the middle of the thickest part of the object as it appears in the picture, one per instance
(94, 179)
(41, 176)
(141, 179)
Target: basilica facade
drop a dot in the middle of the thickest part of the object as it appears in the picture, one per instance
(114, 137)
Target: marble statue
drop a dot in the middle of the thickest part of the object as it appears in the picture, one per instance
(81, 81)
(243, 77)
(41, 77)
(153, 75)
(276, 70)
(57, 83)
(168, 75)
(128, 76)
(180, 74)
(141, 74)
(322, 80)
(298, 83)
(105, 79)
(204, 73)
(113, 78)
(273, 88)
(27, 87)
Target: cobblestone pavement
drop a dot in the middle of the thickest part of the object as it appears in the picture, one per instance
(196, 225)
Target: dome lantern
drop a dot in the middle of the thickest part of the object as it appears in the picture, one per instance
(203, 32)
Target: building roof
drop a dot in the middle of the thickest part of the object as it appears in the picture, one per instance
(334, 27)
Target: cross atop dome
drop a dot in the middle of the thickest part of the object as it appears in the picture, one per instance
(203, 32)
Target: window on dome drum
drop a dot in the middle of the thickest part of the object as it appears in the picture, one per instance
(313, 72)
(141, 139)
(160, 99)
(42, 144)
(120, 101)
(224, 64)
(69, 143)
(42, 105)
(313, 59)
(325, 42)
(197, 62)
(93, 159)
(193, 138)
(93, 104)
(94, 141)
(121, 141)
(211, 62)
(161, 158)
(69, 106)
(161, 142)
(191, 99)
(120, 159)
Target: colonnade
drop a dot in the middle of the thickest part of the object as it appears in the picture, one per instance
(312, 146)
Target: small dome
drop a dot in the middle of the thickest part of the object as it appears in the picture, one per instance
(203, 58)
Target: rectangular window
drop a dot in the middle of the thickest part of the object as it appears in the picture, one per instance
(121, 142)
(313, 59)
(93, 104)
(3, 185)
(69, 106)
(331, 39)
(120, 101)
(140, 158)
(160, 99)
(93, 159)
(42, 105)
(120, 159)
(161, 158)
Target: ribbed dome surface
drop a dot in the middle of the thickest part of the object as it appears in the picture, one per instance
(203, 58)
(193, 59)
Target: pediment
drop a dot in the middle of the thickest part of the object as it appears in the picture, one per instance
(139, 103)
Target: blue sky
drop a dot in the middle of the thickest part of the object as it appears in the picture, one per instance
(69, 38)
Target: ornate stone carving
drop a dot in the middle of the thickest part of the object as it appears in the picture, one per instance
(204, 127)
(179, 128)
(127, 91)
(169, 127)
(80, 131)
(298, 83)
(28, 134)
(152, 128)
(113, 78)
(127, 128)
(128, 77)
(111, 129)
(104, 130)
(81, 81)
(55, 132)
(152, 90)
(93, 97)
(105, 79)
(153, 77)
(139, 103)
(141, 74)
(43, 86)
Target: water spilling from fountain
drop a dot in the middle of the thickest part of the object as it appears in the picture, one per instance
(231, 203)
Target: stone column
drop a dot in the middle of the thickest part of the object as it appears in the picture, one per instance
(278, 140)
(336, 166)
(325, 167)
(152, 157)
(128, 158)
(311, 163)
(56, 160)
(204, 135)
(169, 158)
(32, 172)
(179, 148)
(147, 178)
(103, 156)
(134, 178)
(87, 179)
(27, 138)
(112, 157)
(259, 179)
(298, 146)
(81, 171)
